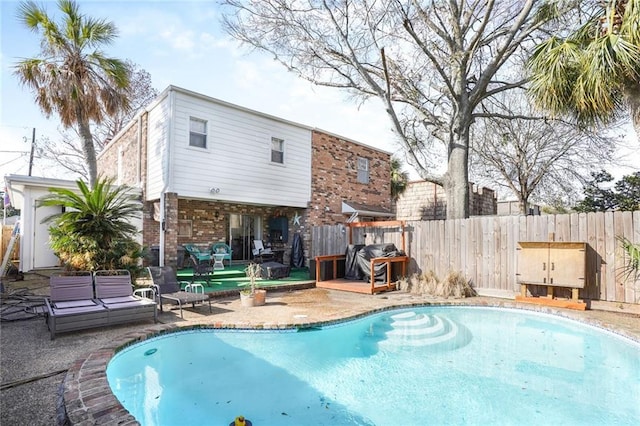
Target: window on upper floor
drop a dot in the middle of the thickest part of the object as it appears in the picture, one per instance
(197, 133)
(363, 170)
(277, 151)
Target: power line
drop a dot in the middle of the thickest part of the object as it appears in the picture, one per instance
(15, 159)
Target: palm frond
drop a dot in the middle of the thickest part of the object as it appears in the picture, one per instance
(630, 26)
(555, 66)
(632, 252)
(94, 229)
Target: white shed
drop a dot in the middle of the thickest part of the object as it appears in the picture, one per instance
(25, 192)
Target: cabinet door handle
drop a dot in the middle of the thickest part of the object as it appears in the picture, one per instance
(544, 266)
(553, 266)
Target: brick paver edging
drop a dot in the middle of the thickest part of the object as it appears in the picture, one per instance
(88, 399)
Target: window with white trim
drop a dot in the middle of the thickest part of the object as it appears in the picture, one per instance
(197, 133)
(363, 170)
(277, 151)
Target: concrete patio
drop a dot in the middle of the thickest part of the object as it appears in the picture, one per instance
(33, 367)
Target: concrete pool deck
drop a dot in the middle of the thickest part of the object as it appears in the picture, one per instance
(33, 367)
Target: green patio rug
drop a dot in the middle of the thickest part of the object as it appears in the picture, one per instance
(233, 278)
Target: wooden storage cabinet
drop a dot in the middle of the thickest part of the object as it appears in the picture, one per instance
(557, 264)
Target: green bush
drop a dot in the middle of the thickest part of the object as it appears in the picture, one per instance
(94, 230)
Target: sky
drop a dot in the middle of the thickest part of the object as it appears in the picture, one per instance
(181, 43)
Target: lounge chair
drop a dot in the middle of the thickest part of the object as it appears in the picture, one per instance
(115, 291)
(71, 305)
(167, 288)
(260, 254)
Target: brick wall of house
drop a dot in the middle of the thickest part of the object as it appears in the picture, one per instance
(203, 222)
(126, 146)
(424, 200)
(150, 227)
(171, 232)
(334, 178)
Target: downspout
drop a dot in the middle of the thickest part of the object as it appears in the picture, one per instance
(165, 177)
(139, 168)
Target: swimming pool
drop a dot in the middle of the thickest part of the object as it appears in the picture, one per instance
(431, 365)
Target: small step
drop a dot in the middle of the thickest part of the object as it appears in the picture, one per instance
(411, 329)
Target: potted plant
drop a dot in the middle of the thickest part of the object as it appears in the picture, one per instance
(253, 296)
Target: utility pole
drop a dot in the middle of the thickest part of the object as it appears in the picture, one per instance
(33, 144)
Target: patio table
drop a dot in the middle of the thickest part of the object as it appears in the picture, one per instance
(217, 261)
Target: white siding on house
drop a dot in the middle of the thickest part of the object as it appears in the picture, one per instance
(157, 140)
(237, 160)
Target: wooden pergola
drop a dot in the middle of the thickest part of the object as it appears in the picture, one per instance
(371, 287)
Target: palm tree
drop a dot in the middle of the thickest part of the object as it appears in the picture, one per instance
(594, 71)
(72, 77)
(399, 179)
(94, 231)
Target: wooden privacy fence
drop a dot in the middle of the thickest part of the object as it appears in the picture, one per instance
(484, 249)
(5, 237)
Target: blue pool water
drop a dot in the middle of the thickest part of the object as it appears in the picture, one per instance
(432, 365)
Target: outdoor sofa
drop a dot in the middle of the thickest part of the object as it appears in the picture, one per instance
(73, 303)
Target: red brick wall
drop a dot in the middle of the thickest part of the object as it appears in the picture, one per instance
(334, 178)
(209, 223)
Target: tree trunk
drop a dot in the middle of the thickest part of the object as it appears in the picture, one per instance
(456, 179)
(524, 206)
(88, 150)
(632, 93)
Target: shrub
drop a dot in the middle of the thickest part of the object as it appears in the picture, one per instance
(453, 285)
(94, 230)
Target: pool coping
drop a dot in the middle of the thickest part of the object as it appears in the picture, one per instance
(87, 398)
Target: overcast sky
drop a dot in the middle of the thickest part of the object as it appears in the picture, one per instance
(180, 43)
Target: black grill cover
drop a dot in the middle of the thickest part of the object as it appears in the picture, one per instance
(371, 251)
(297, 252)
(351, 269)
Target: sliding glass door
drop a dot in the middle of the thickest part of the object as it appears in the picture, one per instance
(243, 229)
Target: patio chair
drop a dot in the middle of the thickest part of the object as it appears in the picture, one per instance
(114, 290)
(221, 249)
(260, 254)
(192, 249)
(71, 305)
(201, 269)
(167, 288)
